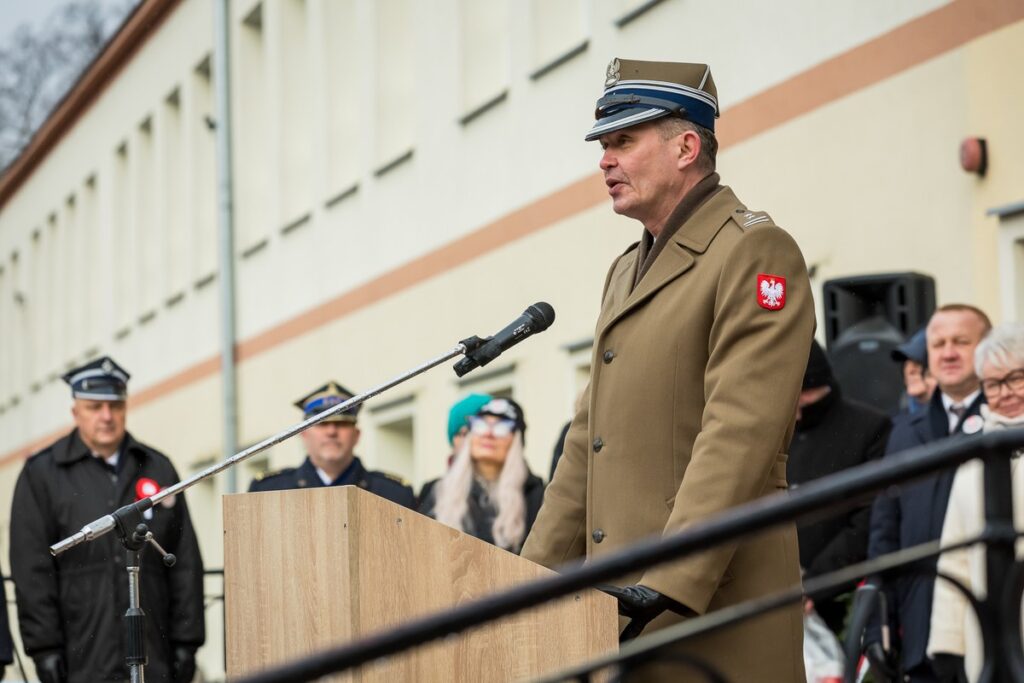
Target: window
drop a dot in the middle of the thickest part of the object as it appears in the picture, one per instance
(394, 437)
(296, 113)
(203, 223)
(174, 225)
(91, 275)
(396, 111)
(559, 33)
(1011, 260)
(251, 145)
(147, 260)
(484, 41)
(342, 96)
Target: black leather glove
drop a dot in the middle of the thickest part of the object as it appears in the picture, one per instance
(183, 664)
(882, 663)
(642, 605)
(949, 668)
(50, 667)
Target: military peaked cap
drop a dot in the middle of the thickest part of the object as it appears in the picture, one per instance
(636, 92)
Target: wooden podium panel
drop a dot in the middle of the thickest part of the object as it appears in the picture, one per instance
(311, 568)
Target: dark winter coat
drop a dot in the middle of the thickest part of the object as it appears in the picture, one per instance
(913, 517)
(75, 603)
(482, 511)
(832, 435)
(6, 645)
(305, 476)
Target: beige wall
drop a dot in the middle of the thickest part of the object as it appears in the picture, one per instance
(353, 271)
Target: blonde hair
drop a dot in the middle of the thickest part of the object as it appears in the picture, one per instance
(509, 528)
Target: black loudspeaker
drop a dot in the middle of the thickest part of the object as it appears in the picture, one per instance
(866, 317)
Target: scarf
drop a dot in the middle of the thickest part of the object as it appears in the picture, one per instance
(994, 421)
(651, 247)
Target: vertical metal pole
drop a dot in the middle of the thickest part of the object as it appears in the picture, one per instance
(999, 553)
(225, 230)
(135, 623)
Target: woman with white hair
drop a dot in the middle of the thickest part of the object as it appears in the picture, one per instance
(488, 491)
(955, 643)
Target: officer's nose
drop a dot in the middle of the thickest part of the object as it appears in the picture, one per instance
(607, 160)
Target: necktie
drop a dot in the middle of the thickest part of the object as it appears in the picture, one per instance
(957, 410)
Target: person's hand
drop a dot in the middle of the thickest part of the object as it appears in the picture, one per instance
(50, 667)
(881, 662)
(183, 664)
(949, 668)
(642, 605)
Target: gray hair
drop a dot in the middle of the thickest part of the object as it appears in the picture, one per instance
(671, 126)
(1003, 347)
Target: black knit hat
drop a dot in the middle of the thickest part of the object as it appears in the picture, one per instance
(818, 372)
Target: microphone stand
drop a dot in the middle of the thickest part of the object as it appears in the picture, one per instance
(134, 534)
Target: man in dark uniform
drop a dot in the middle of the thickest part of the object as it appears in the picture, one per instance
(331, 460)
(70, 608)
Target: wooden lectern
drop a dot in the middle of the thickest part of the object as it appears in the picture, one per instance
(312, 568)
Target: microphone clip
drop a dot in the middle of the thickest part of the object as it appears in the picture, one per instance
(477, 355)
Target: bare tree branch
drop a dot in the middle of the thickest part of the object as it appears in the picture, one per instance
(39, 65)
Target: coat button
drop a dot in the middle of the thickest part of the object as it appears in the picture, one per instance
(598, 535)
(598, 445)
(608, 356)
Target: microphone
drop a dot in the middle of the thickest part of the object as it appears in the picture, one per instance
(535, 318)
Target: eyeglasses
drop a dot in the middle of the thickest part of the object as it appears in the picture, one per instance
(1013, 381)
(499, 429)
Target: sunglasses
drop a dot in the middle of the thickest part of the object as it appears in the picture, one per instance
(499, 429)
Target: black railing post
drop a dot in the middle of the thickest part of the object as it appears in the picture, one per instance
(999, 557)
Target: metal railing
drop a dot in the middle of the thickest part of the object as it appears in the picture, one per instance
(999, 611)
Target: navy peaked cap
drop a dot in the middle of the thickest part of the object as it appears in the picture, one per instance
(101, 380)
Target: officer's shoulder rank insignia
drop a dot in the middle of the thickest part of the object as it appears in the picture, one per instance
(395, 478)
(272, 473)
(748, 219)
(771, 291)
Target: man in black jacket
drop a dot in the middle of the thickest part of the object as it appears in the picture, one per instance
(70, 608)
(832, 434)
(6, 645)
(916, 514)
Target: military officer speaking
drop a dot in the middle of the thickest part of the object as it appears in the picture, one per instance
(699, 353)
(330, 447)
(71, 608)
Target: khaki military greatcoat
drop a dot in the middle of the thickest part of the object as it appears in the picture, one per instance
(689, 411)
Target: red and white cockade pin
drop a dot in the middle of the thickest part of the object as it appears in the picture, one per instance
(145, 487)
(771, 291)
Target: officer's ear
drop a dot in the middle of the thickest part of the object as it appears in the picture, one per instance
(689, 148)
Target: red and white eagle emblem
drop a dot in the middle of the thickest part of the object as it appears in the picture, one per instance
(771, 291)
